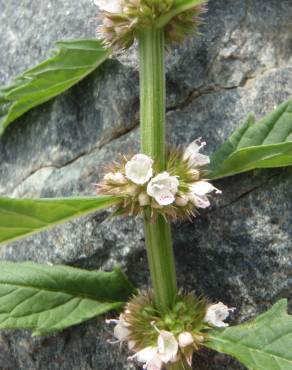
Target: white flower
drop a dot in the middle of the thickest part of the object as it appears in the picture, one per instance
(167, 346)
(121, 330)
(154, 357)
(145, 355)
(163, 187)
(111, 6)
(116, 177)
(185, 339)
(139, 169)
(192, 154)
(148, 356)
(198, 193)
(216, 314)
(154, 364)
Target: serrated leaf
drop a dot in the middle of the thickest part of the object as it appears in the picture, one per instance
(46, 298)
(178, 7)
(22, 217)
(262, 344)
(265, 144)
(73, 61)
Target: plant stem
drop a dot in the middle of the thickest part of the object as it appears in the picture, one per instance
(161, 261)
(152, 123)
(152, 94)
(178, 366)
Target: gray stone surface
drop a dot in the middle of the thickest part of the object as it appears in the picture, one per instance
(239, 251)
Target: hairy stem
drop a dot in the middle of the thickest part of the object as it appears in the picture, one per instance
(152, 123)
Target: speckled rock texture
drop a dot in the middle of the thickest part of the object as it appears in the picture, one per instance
(239, 251)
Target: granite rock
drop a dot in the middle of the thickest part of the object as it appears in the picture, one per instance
(239, 251)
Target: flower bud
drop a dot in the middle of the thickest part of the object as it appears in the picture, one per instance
(198, 338)
(181, 201)
(144, 199)
(131, 190)
(185, 339)
(116, 177)
(195, 174)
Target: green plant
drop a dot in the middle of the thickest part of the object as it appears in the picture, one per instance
(163, 326)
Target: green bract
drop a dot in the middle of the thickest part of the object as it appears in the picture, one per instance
(262, 344)
(50, 298)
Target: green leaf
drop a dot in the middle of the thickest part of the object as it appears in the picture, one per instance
(73, 61)
(265, 144)
(45, 298)
(263, 344)
(21, 217)
(178, 7)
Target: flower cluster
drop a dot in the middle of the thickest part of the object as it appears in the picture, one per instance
(123, 18)
(176, 192)
(156, 339)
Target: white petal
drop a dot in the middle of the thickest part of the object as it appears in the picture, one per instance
(165, 198)
(203, 188)
(111, 6)
(193, 148)
(116, 177)
(112, 321)
(145, 355)
(131, 344)
(109, 176)
(200, 202)
(216, 314)
(154, 364)
(220, 324)
(167, 346)
(121, 332)
(163, 187)
(122, 320)
(174, 183)
(198, 160)
(139, 169)
(120, 178)
(161, 177)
